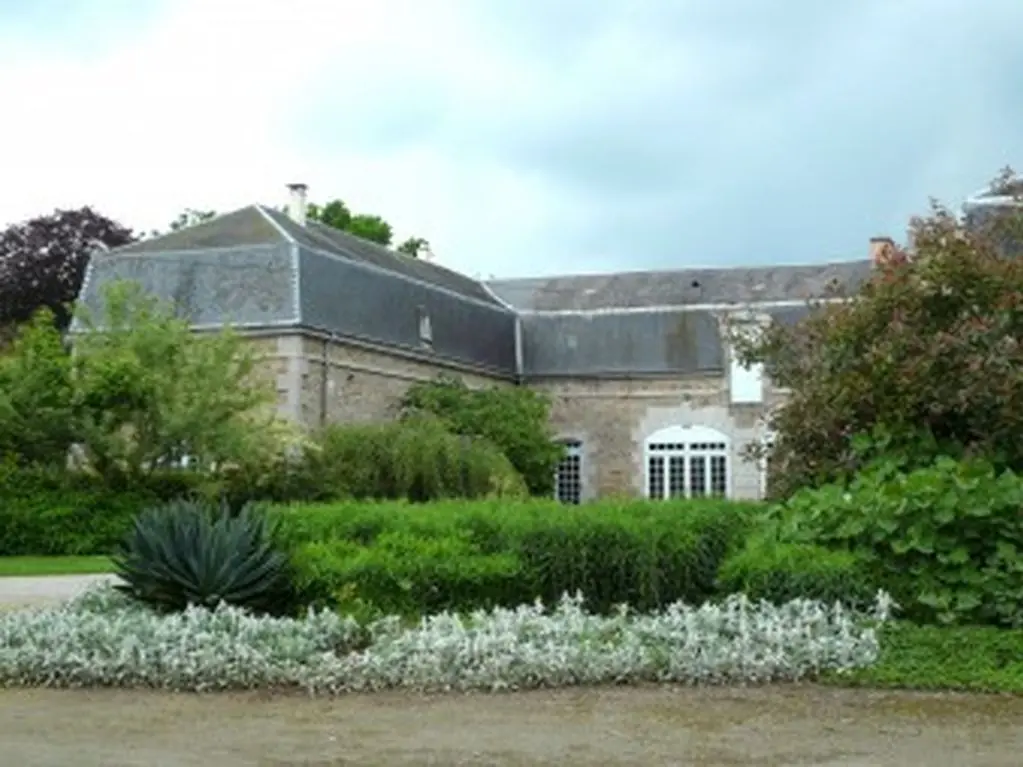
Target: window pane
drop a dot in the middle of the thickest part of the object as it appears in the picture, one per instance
(568, 480)
(697, 476)
(676, 476)
(655, 481)
(718, 476)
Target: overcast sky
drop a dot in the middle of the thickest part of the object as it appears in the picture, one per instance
(520, 137)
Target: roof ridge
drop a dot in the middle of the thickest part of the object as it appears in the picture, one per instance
(275, 224)
(675, 271)
(399, 257)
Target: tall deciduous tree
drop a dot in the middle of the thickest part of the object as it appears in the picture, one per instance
(336, 214)
(926, 360)
(43, 261)
(140, 392)
(148, 391)
(515, 419)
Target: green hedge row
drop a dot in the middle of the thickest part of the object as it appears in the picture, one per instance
(780, 572)
(415, 560)
(47, 513)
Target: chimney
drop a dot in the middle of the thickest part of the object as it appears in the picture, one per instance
(425, 254)
(297, 203)
(881, 248)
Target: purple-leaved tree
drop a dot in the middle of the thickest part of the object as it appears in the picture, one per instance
(43, 260)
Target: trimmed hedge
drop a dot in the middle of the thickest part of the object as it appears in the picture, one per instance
(48, 513)
(965, 658)
(780, 572)
(61, 513)
(460, 555)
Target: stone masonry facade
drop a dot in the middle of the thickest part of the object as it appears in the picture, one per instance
(321, 381)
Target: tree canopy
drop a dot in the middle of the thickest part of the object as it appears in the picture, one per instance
(925, 361)
(515, 419)
(43, 261)
(140, 392)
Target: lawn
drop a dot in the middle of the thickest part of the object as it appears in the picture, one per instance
(26, 566)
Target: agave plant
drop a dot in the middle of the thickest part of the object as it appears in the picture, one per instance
(185, 553)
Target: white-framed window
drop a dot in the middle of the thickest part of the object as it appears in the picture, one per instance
(568, 477)
(746, 381)
(687, 462)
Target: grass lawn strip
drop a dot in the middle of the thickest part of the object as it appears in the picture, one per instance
(33, 566)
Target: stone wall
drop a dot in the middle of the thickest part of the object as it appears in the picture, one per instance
(322, 382)
(613, 418)
(331, 382)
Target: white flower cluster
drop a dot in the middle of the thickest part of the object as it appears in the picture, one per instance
(101, 639)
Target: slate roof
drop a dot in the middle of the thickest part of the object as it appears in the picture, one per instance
(251, 285)
(686, 287)
(317, 236)
(255, 268)
(621, 344)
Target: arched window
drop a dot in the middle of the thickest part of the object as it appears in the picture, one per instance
(687, 462)
(568, 478)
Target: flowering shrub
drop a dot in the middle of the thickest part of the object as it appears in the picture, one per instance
(102, 639)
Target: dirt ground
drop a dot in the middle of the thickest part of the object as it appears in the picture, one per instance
(612, 726)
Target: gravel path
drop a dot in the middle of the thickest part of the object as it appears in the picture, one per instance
(770, 727)
(45, 589)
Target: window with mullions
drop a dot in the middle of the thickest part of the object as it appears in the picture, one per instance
(568, 479)
(689, 462)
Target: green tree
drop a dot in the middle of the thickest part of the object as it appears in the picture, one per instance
(334, 213)
(36, 402)
(412, 246)
(139, 391)
(926, 360)
(191, 217)
(367, 226)
(372, 228)
(515, 419)
(147, 391)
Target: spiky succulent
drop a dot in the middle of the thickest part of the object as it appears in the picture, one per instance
(185, 553)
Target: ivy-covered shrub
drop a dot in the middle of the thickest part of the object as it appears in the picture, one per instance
(514, 418)
(102, 639)
(944, 540)
(780, 572)
(461, 555)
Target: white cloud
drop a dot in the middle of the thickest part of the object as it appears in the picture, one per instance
(193, 110)
(199, 108)
(519, 137)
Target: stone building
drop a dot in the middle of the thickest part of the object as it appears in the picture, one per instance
(645, 392)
